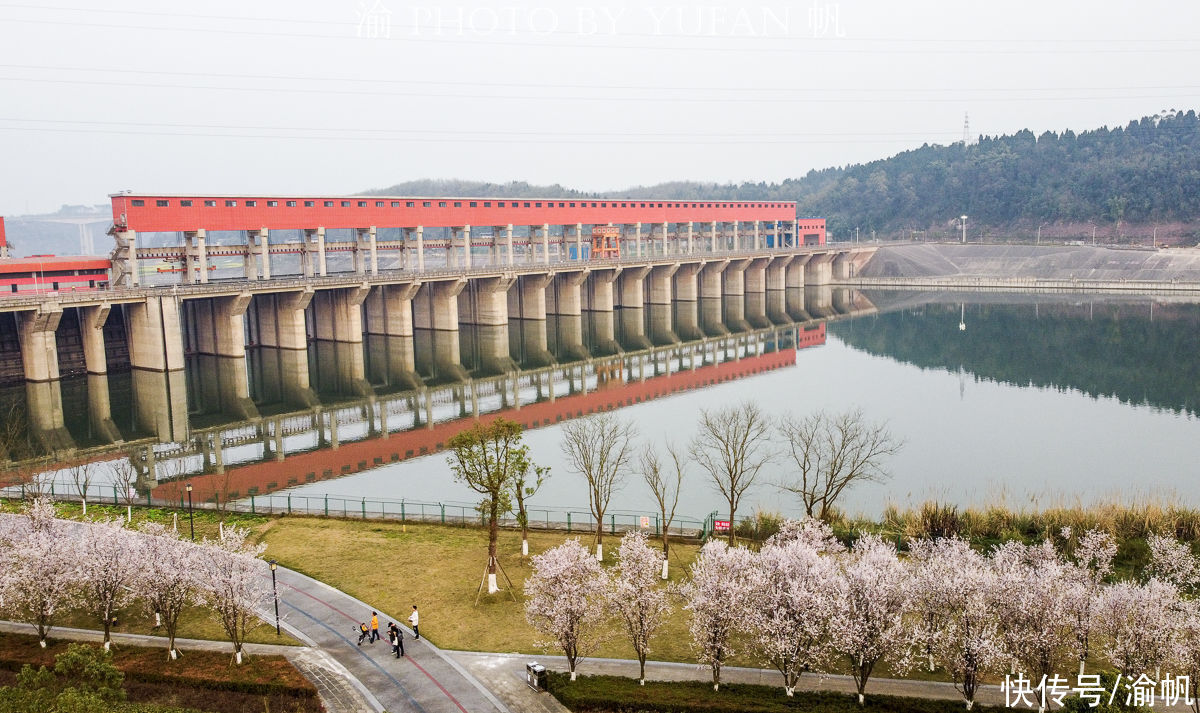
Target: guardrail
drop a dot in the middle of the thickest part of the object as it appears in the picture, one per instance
(386, 275)
(1025, 283)
(566, 519)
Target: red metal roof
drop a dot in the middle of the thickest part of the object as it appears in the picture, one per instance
(154, 213)
(54, 262)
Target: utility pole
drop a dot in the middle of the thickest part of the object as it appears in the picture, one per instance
(856, 233)
(964, 229)
(1093, 236)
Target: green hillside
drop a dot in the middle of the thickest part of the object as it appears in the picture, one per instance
(1146, 172)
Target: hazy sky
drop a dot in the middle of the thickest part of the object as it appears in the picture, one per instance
(343, 95)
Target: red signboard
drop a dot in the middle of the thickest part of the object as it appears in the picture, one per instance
(720, 526)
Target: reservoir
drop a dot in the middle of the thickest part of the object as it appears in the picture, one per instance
(1028, 400)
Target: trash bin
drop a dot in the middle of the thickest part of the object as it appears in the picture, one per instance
(535, 676)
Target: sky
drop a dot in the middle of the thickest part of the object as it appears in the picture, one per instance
(339, 96)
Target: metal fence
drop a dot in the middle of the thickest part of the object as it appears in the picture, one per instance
(561, 519)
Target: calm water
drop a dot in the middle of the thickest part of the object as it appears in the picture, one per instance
(1041, 399)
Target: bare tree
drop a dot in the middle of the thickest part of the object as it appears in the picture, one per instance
(665, 482)
(81, 475)
(732, 447)
(599, 447)
(832, 452)
(123, 476)
(525, 486)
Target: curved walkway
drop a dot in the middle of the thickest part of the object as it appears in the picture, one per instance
(423, 681)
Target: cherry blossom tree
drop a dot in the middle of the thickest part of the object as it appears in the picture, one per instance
(168, 580)
(929, 589)
(234, 587)
(109, 558)
(1031, 606)
(1184, 657)
(1091, 565)
(639, 602)
(40, 568)
(795, 603)
(966, 641)
(872, 598)
(717, 596)
(1172, 561)
(565, 600)
(1138, 625)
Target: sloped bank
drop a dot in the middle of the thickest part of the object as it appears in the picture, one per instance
(953, 262)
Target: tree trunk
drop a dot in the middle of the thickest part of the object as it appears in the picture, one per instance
(493, 535)
(1080, 667)
(600, 536)
(128, 513)
(84, 501)
(666, 566)
(732, 536)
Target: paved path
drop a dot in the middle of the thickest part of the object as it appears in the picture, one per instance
(423, 681)
(505, 673)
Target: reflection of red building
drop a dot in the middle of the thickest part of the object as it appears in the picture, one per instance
(265, 477)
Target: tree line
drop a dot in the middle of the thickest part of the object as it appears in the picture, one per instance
(50, 566)
(827, 454)
(806, 603)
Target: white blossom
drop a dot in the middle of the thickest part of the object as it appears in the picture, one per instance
(168, 580)
(873, 598)
(38, 568)
(717, 596)
(234, 587)
(966, 641)
(795, 601)
(1138, 623)
(636, 597)
(565, 599)
(109, 557)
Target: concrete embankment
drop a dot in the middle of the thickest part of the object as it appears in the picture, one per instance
(1070, 267)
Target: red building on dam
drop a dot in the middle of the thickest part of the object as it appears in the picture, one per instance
(449, 232)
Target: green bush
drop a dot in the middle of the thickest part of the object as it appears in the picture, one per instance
(615, 694)
(759, 526)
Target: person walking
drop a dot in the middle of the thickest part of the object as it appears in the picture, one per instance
(396, 636)
(374, 628)
(414, 619)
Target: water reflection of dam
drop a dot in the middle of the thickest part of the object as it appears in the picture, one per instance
(236, 427)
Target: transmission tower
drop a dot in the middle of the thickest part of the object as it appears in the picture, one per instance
(966, 128)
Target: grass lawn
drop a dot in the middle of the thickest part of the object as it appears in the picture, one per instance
(439, 569)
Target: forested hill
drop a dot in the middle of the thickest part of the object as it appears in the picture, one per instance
(1146, 172)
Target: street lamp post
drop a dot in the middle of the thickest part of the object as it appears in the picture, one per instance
(191, 520)
(275, 594)
(964, 229)
(1039, 234)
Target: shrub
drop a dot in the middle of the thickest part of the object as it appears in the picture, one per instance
(759, 526)
(615, 694)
